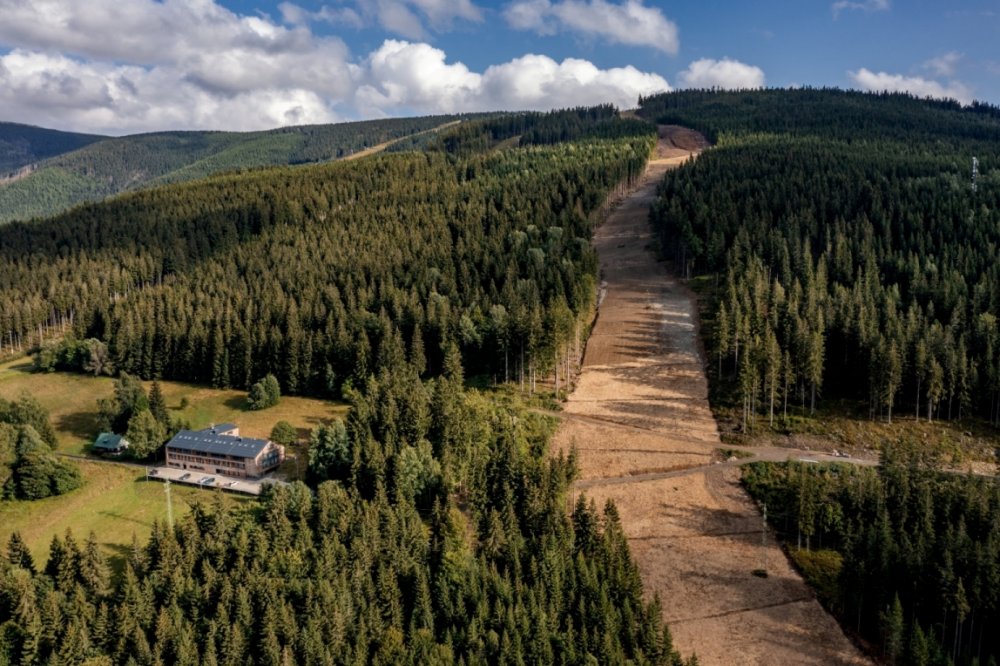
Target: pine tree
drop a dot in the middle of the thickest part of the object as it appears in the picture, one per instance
(158, 404)
(18, 553)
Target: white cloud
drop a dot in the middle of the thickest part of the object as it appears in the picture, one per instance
(402, 76)
(915, 85)
(862, 5)
(539, 82)
(57, 91)
(943, 65)
(402, 17)
(138, 65)
(727, 74)
(631, 22)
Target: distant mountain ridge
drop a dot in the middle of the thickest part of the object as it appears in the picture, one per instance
(54, 171)
(23, 145)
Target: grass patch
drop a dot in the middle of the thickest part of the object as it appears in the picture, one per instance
(821, 569)
(739, 454)
(72, 403)
(115, 502)
(844, 425)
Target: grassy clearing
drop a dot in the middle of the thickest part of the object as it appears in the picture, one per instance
(841, 425)
(821, 569)
(72, 403)
(115, 502)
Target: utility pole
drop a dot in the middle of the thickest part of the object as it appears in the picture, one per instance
(170, 506)
(975, 174)
(763, 542)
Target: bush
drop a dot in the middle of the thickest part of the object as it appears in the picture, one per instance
(265, 393)
(36, 472)
(145, 434)
(283, 433)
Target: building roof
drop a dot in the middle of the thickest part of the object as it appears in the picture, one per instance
(205, 441)
(108, 441)
(220, 429)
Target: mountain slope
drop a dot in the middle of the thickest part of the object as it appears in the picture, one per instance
(110, 166)
(21, 145)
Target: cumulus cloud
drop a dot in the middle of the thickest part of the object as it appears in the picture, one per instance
(631, 22)
(402, 76)
(402, 17)
(191, 64)
(57, 91)
(727, 74)
(915, 85)
(863, 5)
(943, 65)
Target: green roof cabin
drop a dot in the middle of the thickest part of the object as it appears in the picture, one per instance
(109, 444)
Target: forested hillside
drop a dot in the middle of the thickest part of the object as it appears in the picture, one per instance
(305, 273)
(854, 257)
(449, 544)
(115, 165)
(21, 145)
(920, 550)
(436, 529)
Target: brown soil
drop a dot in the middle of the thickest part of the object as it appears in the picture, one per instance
(640, 419)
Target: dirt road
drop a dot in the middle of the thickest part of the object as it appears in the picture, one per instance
(640, 420)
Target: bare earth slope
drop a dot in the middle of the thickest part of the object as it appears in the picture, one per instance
(645, 435)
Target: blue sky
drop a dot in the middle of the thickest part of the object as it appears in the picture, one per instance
(121, 66)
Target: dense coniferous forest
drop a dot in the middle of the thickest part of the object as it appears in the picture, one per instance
(311, 273)
(854, 258)
(851, 256)
(437, 528)
(114, 165)
(921, 550)
(440, 536)
(21, 145)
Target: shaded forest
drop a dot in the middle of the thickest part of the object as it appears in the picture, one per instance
(21, 145)
(113, 165)
(920, 549)
(854, 258)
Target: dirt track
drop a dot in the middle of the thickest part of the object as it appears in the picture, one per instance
(640, 420)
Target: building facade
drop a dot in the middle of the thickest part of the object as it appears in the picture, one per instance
(221, 450)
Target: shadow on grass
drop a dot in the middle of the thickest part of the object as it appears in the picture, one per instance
(237, 402)
(79, 424)
(118, 516)
(118, 558)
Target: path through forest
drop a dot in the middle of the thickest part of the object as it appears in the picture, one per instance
(640, 420)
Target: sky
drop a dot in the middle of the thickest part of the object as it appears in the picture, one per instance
(127, 66)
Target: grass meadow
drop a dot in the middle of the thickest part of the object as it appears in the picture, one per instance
(116, 501)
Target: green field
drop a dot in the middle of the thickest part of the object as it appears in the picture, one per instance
(116, 501)
(72, 403)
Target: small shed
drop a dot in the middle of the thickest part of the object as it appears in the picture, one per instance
(109, 444)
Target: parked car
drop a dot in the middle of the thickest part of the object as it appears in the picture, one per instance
(184, 477)
(207, 481)
(154, 472)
